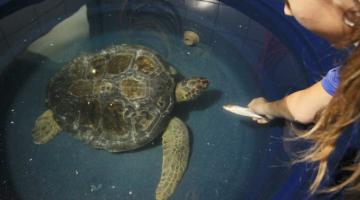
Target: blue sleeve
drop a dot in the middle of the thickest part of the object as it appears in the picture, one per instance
(331, 81)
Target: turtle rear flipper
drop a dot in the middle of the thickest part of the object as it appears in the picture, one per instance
(46, 128)
(176, 149)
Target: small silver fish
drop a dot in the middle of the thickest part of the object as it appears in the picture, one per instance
(242, 111)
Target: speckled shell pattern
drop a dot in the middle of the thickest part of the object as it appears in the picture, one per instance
(118, 99)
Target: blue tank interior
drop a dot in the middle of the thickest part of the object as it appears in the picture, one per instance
(281, 55)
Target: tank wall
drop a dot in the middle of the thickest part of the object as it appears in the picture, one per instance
(22, 26)
(22, 23)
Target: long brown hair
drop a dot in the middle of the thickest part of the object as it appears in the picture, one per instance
(342, 111)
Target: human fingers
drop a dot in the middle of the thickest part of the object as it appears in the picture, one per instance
(258, 105)
(261, 120)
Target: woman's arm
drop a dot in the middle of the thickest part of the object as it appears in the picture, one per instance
(300, 106)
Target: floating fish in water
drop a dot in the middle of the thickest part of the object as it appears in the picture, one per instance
(242, 111)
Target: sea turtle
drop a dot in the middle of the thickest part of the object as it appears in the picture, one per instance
(120, 99)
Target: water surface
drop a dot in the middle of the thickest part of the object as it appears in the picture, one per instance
(231, 157)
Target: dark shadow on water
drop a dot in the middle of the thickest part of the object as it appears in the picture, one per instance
(13, 6)
(249, 123)
(204, 101)
(12, 79)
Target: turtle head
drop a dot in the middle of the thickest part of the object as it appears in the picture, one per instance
(189, 89)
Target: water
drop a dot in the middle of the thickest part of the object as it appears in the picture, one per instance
(230, 156)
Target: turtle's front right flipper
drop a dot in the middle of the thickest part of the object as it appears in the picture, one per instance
(176, 149)
(46, 128)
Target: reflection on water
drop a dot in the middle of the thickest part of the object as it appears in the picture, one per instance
(59, 38)
(226, 151)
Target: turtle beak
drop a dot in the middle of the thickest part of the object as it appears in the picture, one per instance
(201, 83)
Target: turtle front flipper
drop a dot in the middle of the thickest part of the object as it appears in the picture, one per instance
(46, 128)
(176, 149)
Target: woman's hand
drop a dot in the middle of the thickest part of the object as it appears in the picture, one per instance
(300, 106)
(261, 106)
